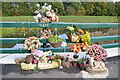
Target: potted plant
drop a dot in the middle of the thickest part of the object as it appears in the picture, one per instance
(55, 41)
(75, 57)
(74, 33)
(97, 52)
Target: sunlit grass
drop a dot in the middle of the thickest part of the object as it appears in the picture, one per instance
(70, 19)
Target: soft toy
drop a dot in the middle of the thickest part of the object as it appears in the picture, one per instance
(29, 59)
(19, 60)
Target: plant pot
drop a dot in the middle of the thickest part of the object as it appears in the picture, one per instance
(55, 45)
(75, 56)
(74, 64)
(73, 38)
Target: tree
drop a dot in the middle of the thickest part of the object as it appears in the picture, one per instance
(89, 7)
(60, 7)
(71, 10)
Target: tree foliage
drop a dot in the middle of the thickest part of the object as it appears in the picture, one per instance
(64, 8)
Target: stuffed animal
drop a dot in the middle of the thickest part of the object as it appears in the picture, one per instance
(19, 60)
(29, 59)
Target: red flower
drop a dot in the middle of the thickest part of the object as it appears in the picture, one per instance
(68, 55)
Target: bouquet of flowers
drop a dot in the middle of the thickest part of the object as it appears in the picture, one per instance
(98, 52)
(38, 54)
(77, 48)
(46, 14)
(74, 33)
(46, 33)
(32, 43)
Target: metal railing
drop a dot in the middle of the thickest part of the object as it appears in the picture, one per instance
(57, 25)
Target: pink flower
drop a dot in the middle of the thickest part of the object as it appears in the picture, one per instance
(38, 53)
(35, 61)
(50, 35)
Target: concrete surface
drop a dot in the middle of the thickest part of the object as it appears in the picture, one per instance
(14, 71)
(10, 58)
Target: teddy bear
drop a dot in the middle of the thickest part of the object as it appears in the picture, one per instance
(28, 59)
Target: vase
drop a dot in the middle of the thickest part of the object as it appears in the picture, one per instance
(55, 45)
(73, 38)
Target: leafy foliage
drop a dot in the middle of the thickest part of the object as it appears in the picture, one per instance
(64, 8)
(55, 39)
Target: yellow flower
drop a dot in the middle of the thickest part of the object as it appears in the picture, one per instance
(86, 37)
(70, 28)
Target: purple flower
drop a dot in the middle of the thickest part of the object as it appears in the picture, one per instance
(38, 53)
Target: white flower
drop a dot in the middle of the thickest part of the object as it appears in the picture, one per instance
(63, 44)
(33, 41)
(60, 67)
(38, 5)
(29, 43)
(37, 41)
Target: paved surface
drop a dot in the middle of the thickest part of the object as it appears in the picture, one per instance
(14, 71)
(10, 58)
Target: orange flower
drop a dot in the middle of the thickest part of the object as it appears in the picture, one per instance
(80, 30)
(86, 44)
(76, 48)
(73, 47)
(83, 44)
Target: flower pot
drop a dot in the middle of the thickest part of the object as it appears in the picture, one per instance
(73, 38)
(75, 56)
(55, 45)
(74, 64)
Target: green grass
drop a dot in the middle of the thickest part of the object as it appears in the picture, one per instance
(70, 19)
(7, 31)
(13, 32)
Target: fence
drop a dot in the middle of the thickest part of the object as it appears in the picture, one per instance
(57, 25)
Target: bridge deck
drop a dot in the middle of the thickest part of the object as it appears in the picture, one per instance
(10, 58)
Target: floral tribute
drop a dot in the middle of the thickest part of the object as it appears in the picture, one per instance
(46, 33)
(74, 33)
(97, 52)
(32, 43)
(79, 47)
(77, 35)
(46, 14)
